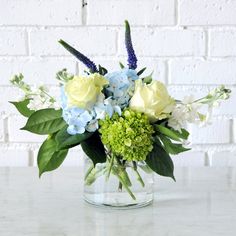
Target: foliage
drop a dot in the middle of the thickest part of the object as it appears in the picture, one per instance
(119, 118)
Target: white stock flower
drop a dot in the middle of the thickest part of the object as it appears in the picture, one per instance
(185, 112)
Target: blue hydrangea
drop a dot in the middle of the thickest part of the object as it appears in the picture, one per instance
(121, 85)
(80, 120)
(77, 120)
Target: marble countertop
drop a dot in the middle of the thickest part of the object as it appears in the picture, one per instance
(201, 202)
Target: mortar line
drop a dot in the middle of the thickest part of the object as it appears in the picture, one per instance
(231, 126)
(167, 72)
(176, 12)
(6, 130)
(207, 44)
(27, 43)
(30, 158)
(84, 12)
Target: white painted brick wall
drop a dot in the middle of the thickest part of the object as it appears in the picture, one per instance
(12, 42)
(222, 43)
(36, 70)
(14, 157)
(207, 12)
(149, 12)
(15, 122)
(91, 41)
(191, 158)
(190, 45)
(223, 158)
(200, 71)
(155, 42)
(40, 12)
(216, 133)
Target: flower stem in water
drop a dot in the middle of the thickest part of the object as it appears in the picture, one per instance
(139, 178)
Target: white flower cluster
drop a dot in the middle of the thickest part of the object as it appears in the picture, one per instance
(188, 111)
(185, 112)
(40, 99)
(39, 96)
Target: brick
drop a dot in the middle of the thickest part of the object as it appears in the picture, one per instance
(90, 41)
(108, 12)
(184, 71)
(8, 94)
(13, 157)
(12, 42)
(207, 12)
(2, 130)
(155, 42)
(16, 122)
(190, 158)
(234, 130)
(35, 70)
(222, 43)
(218, 132)
(179, 92)
(224, 158)
(37, 12)
(158, 67)
(75, 157)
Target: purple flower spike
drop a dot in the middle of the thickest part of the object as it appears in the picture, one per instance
(132, 59)
(86, 61)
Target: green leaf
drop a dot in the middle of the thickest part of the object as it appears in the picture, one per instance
(22, 107)
(168, 132)
(121, 65)
(141, 71)
(102, 70)
(160, 162)
(183, 134)
(147, 79)
(46, 121)
(94, 149)
(172, 148)
(48, 158)
(65, 140)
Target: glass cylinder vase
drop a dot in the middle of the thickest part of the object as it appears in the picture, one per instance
(129, 185)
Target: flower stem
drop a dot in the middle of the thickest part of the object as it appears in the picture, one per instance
(120, 186)
(93, 173)
(139, 178)
(88, 172)
(116, 171)
(110, 166)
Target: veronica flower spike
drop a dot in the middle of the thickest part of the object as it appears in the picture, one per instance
(132, 59)
(85, 60)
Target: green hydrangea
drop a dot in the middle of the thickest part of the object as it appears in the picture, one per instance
(128, 136)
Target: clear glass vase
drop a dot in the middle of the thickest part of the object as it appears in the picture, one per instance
(126, 186)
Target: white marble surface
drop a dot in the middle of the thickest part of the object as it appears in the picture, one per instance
(201, 203)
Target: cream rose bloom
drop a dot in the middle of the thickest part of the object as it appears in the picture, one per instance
(152, 99)
(83, 92)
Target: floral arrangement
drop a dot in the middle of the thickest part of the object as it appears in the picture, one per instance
(117, 117)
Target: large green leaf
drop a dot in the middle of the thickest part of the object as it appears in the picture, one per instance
(183, 134)
(22, 107)
(172, 148)
(48, 157)
(65, 140)
(45, 121)
(94, 149)
(168, 132)
(160, 162)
